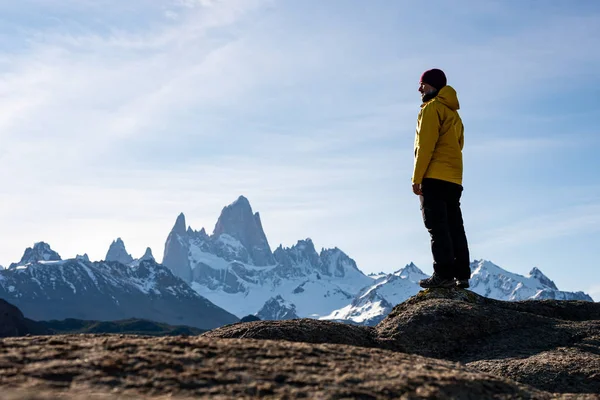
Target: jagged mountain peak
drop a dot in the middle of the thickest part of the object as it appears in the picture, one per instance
(410, 271)
(337, 263)
(485, 265)
(277, 308)
(241, 201)
(83, 257)
(238, 221)
(40, 251)
(117, 252)
(148, 254)
(408, 267)
(535, 273)
(179, 227)
(239, 212)
(305, 245)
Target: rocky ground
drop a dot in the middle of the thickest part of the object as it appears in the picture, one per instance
(438, 344)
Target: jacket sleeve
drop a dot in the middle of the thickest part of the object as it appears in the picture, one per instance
(428, 133)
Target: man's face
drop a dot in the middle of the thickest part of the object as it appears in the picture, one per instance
(425, 89)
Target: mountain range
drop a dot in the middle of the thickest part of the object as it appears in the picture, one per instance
(45, 287)
(207, 280)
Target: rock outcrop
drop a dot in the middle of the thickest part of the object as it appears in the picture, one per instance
(102, 366)
(532, 342)
(304, 330)
(441, 343)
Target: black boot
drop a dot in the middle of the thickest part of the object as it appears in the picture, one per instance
(436, 281)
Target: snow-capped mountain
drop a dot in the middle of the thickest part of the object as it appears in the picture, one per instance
(39, 252)
(117, 252)
(276, 308)
(373, 303)
(232, 269)
(45, 287)
(488, 279)
(238, 222)
(235, 268)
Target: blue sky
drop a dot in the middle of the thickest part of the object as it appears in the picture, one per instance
(117, 116)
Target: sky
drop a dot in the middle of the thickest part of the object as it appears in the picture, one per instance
(117, 116)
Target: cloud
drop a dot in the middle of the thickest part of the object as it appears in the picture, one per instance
(574, 220)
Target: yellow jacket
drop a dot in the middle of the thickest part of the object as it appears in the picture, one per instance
(439, 140)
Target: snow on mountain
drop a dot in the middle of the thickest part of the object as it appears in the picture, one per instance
(146, 257)
(245, 228)
(377, 275)
(148, 254)
(244, 289)
(39, 252)
(117, 252)
(374, 302)
(368, 308)
(109, 290)
(235, 268)
(83, 257)
(487, 279)
(276, 308)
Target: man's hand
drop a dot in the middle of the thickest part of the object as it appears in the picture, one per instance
(417, 189)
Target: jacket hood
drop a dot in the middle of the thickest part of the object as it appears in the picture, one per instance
(447, 96)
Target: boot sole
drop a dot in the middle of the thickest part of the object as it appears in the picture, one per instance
(463, 285)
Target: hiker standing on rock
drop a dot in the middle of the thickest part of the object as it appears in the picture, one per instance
(437, 180)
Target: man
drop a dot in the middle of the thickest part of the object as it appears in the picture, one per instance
(437, 180)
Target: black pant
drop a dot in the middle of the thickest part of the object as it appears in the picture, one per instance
(440, 206)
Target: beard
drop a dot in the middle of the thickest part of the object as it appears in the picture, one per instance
(425, 97)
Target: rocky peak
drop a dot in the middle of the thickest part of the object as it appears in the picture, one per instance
(84, 257)
(175, 256)
(301, 257)
(238, 221)
(306, 249)
(117, 252)
(39, 252)
(147, 255)
(538, 275)
(334, 262)
(179, 227)
(410, 271)
(276, 308)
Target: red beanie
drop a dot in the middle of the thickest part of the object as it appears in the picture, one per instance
(434, 77)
